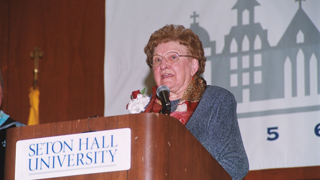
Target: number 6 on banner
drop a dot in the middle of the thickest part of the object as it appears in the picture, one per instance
(317, 130)
(274, 133)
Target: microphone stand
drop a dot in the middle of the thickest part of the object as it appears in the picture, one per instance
(166, 108)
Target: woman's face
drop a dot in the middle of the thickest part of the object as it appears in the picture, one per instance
(176, 76)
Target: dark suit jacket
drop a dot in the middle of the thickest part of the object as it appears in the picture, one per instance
(10, 123)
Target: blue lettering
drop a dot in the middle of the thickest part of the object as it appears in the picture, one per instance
(80, 144)
(95, 157)
(112, 155)
(35, 165)
(48, 147)
(95, 142)
(112, 142)
(89, 157)
(61, 163)
(102, 157)
(53, 147)
(34, 152)
(70, 159)
(103, 143)
(37, 150)
(66, 144)
(44, 162)
(79, 159)
(53, 158)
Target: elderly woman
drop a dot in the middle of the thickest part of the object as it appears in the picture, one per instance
(176, 57)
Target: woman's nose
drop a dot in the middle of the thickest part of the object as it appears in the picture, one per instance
(164, 64)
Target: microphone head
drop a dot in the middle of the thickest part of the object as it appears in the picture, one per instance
(162, 88)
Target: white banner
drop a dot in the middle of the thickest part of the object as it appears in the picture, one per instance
(266, 52)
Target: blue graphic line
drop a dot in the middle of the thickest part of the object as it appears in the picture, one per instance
(76, 169)
(279, 111)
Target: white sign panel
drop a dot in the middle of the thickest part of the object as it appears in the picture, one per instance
(75, 154)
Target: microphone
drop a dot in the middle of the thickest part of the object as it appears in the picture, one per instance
(163, 93)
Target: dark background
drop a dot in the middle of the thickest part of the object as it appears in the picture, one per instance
(71, 34)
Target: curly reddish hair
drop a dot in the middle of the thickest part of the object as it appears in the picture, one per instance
(179, 34)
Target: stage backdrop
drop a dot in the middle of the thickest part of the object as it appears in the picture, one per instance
(266, 52)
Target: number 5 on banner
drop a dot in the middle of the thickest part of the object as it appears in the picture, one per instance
(272, 132)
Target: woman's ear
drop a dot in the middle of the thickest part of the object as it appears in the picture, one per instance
(194, 66)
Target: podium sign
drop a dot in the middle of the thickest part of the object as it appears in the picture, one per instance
(127, 147)
(75, 154)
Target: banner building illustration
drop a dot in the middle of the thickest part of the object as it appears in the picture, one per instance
(267, 53)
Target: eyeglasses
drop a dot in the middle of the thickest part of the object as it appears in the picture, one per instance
(171, 57)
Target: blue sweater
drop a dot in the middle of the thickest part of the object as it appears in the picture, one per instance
(214, 124)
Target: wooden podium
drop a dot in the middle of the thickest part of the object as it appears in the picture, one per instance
(161, 148)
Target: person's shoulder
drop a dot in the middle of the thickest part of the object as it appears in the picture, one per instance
(217, 94)
(12, 123)
(218, 91)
